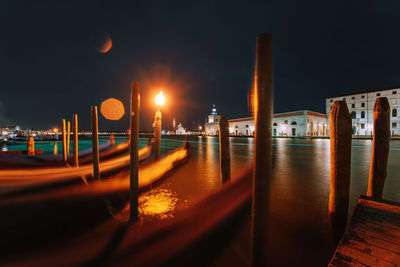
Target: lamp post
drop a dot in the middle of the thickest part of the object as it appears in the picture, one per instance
(160, 100)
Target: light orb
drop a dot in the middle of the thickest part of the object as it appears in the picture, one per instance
(112, 109)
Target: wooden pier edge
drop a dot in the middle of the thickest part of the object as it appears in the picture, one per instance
(372, 238)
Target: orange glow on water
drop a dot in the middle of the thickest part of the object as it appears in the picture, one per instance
(112, 109)
(159, 202)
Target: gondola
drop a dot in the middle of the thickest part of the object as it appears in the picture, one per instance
(39, 161)
(81, 207)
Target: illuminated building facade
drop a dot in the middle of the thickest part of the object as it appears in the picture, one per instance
(211, 125)
(361, 108)
(293, 124)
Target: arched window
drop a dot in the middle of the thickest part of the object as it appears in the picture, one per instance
(286, 122)
(275, 124)
(293, 123)
(247, 126)
(394, 112)
(362, 114)
(353, 114)
(236, 126)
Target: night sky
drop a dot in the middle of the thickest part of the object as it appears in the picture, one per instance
(200, 52)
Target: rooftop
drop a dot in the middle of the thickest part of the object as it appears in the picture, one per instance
(368, 91)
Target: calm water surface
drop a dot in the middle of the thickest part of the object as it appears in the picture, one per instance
(299, 191)
(299, 230)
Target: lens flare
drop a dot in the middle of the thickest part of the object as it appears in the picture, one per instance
(112, 109)
(160, 99)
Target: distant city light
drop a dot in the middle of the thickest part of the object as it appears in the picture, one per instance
(199, 127)
(160, 99)
(55, 130)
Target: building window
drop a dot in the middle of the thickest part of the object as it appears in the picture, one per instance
(247, 126)
(394, 112)
(353, 115)
(378, 94)
(394, 92)
(286, 122)
(331, 100)
(362, 114)
(331, 107)
(394, 125)
(344, 99)
(362, 105)
(363, 96)
(362, 125)
(275, 124)
(353, 105)
(293, 123)
(236, 126)
(353, 97)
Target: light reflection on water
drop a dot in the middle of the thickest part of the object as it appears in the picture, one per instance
(160, 203)
(299, 188)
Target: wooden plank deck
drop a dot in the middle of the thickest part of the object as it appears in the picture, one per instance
(372, 237)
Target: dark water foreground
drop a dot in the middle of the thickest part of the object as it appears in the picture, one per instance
(299, 231)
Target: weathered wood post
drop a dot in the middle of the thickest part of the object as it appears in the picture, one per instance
(263, 105)
(55, 151)
(157, 135)
(68, 135)
(31, 146)
(64, 141)
(224, 150)
(75, 148)
(134, 154)
(380, 148)
(112, 139)
(340, 146)
(95, 143)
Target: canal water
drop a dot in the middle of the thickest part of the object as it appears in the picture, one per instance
(55, 147)
(299, 234)
(299, 230)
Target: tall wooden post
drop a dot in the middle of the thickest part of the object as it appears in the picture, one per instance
(380, 148)
(95, 143)
(76, 159)
(64, 141)
(68, 135)
(31, 146)
(340, 143)
(224, 150)
(112, 139)
(263, 105)
(157, 135)
(134, 148)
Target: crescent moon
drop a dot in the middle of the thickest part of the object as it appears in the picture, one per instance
(106, 46)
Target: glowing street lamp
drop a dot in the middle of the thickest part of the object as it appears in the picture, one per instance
(160, 100)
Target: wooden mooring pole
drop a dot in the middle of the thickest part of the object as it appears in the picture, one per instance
(263, 105)
(112, 139)
(95, 143)
(31, 146)
(157, 135)
(134, 154)
(68, 135)
(224, 150)
(64, 141)
(75, 137)
(340, 150)
(380, 148)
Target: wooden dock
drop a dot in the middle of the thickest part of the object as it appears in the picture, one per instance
(372, 237)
